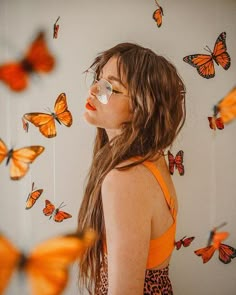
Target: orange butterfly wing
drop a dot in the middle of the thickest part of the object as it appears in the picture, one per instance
(37, 59)
(49, 208)
(61, 215)
(33, 197)
(203, 63)
(206, 253)
(227, 106)
(21, 159)
(226, 253)
(157, 16)
(61, 110)
(220, 55)
(3, 151)
(9, 258)
(215, 123)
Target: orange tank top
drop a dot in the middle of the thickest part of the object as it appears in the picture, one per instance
(161, 248)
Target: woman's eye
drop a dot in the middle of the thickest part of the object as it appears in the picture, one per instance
(116, 91)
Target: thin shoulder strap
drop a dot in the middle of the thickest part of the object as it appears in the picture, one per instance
(154, 170)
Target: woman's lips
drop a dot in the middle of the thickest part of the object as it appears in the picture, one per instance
(90, 107)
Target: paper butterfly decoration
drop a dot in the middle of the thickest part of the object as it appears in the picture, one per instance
(19, 159)
(46, 122)
(37, 59)
(56, 213)
(157, 15)
(215, 123)
(184, 242)
(33, 197)
(25, 125)
(176, 162)
(204, 63)
(47, 265)
(227, 107)
(56, 28)
(226, 252)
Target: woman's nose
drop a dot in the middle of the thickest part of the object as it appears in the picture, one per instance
(94, 89)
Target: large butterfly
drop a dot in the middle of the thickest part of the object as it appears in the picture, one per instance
(47, 265)
(33, 197)
(19, 159)
(227, 107)
(157, 15)
(46, 122)
(176, 162)
(226, 252)
(204, 63)
(184, 242)
(37, 59)
(56, 213)
(215, 123)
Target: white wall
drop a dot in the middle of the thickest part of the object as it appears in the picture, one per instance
(206, 191)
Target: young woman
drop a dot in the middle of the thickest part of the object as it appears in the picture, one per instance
(137, 102)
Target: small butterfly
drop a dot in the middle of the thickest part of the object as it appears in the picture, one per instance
(157, 15)
(37, 59)
(25, 125)
(176, 162)
(19, 159)
(226, 252)
(184, 241)
(46, 122)
(52, 211)
(215, 123)
(56, 28)
(33, 197)
(204, 63)
(226, 107)
(47, 264)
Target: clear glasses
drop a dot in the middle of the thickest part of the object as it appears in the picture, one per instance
(104, 88)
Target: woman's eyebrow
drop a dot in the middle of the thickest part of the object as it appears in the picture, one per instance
(113, 78)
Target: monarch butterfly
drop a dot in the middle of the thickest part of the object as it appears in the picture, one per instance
(204, 63)
(19, 159)
(33, 197)
(46, 122)
(184, 241)
(37, 59)
(157, 15)
(52, 211)
(47, 265)
(56, 28)
(226, 252)
(227, 107)
(215, 123)
(177, 162)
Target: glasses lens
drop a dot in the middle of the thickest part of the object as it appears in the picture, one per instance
(90, 78)
(104, 91)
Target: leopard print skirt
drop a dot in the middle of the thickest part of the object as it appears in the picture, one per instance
(156, 282)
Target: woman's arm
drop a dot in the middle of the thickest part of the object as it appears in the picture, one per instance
(127, 213)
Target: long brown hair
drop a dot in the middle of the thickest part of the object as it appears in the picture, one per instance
(157, 96)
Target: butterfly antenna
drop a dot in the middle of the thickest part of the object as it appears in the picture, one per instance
(221, 225)
(208, 49)
(61, 205)
(157, 4)
(57, 20)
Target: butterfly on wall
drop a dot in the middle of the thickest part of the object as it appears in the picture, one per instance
(176, 162)
(184, 242)
(56, 213)
(215, 123)
(47, 264)
(157, 15)
(33, 197)
(226, 252)
(37, 59)
(46, 122)
(19, 159)
(56, 28)
(204, 63)
(226, 107)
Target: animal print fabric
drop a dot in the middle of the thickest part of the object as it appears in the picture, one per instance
(156, 282)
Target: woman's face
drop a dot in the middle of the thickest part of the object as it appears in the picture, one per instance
(112, 115)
